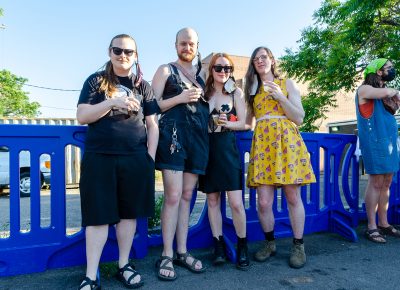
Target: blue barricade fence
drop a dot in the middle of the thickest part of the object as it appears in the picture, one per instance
(331, 204)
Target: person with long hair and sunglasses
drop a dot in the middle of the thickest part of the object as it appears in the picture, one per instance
(182, 151)
(378, 137)
(224, 172)
(117, 172)
(278, 157)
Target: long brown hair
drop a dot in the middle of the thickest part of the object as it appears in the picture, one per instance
(251, 72)
(109, 80)
(209, 89)
(375, 80)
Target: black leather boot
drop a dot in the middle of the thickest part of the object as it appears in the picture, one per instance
(242, 255)
(219, 251)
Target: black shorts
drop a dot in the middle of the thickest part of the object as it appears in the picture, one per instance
(224, 171)
(115, 187)
(192, 157)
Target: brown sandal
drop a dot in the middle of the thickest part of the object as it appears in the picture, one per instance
(389, 231)
(375, 236)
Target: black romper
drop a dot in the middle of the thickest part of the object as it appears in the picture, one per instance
(189, 122)
(224, 171)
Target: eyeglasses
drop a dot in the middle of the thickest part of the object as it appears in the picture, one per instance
(219, 68)
(119, 51)
(262, 57)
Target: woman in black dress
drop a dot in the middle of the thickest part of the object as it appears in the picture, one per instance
(224, 172)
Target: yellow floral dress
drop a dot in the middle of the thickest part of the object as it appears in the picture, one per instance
(278, 154)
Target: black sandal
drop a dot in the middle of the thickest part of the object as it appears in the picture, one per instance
(88, 282)
(375, 236)
(181, 260)
(389, 231)
(161, 264)
(127, 283)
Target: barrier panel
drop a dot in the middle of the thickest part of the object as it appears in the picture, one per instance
(331, 204)
(47, 247)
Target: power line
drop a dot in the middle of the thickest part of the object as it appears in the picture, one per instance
(52, 89)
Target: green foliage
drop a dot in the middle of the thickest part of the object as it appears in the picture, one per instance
(14, 102)
(333, 52)
(155, 221)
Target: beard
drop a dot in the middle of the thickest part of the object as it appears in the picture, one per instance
(186, 56)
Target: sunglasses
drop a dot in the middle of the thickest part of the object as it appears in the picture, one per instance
(119, 51)
(219, 68)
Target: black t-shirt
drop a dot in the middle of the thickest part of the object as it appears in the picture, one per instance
(118, 132)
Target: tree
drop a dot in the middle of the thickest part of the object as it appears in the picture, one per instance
(14, 102)
(334, 51)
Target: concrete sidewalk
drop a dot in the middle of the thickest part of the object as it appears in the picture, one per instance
(333, 263)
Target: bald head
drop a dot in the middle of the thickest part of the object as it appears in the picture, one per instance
(187, 32)
(186, 44)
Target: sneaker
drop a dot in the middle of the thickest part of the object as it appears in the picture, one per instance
(266, 251)
(298, 256)
(219, 257)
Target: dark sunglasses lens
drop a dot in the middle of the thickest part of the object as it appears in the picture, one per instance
(117, 50)
(218, 68)
(228, 69)
(128, 52)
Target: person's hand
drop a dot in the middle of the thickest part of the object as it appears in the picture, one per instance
(222, 119)
(191, 95)
(133, 104)
(275, 91)
(120, 102)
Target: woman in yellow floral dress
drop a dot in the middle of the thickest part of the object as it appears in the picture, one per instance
(278, 157)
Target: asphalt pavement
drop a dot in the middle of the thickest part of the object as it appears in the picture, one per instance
(333, 263)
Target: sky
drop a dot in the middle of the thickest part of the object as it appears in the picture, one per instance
(58, 44)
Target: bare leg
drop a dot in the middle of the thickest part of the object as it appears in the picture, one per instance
(125, 230)
(96, 237)
(169, 215)
(189, 182)
(383, 202)
(238, 213)
(372, 196)
(265, 195)
(296, 209)
(214, 213)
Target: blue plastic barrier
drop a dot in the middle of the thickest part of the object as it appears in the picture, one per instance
(322, 200)
(331, 204)
(48, 247)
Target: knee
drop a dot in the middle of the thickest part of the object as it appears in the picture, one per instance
(387, 183)
(213, 201)
(187, 195)
(293, 198)
(265, 204)
(172, 199)
(237, 206)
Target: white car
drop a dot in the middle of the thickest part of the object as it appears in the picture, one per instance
(25, 175)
